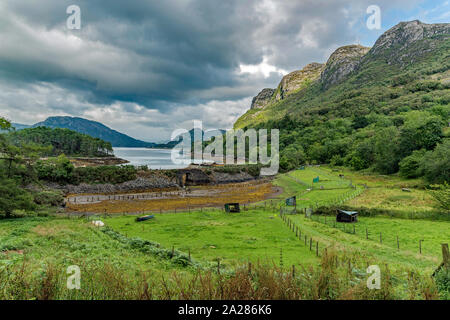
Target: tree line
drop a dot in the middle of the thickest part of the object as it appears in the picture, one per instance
(61, 141)
(23, 168)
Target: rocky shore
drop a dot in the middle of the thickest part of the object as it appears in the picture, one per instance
(158, 180)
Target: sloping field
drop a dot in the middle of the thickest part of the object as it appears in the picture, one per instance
(254, 235)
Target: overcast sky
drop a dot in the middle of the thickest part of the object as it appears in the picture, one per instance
(148, 67)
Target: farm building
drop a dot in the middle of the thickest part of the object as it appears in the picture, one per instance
(347, 216)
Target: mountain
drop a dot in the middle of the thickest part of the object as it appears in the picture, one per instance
(409, 53)
(383, 108)
(94, 129)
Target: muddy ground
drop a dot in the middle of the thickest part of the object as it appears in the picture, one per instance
(170, 200)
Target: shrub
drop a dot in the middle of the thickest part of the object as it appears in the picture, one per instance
(442, 280)
(104, 174)
(442, 196)
(409, 166)
(51, 198)
(12, 198)
(436, 164)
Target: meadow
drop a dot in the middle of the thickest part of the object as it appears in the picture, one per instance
(259, 233)
(207, 253)
(250, 236)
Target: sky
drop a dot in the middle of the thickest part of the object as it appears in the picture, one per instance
(146, 68)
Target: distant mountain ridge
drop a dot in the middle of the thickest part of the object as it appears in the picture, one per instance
(98, 130)
(19, 126)
(94, 129)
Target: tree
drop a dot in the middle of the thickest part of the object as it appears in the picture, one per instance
(386, 153)
(435, 165)
(410, 166)
(55, 169)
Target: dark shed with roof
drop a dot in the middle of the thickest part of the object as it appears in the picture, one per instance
(347, 216)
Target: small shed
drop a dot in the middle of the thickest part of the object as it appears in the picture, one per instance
(232, 207)
(292, 201)
(347, 216)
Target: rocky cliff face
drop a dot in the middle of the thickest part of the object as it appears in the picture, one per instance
(290, 83)
(297, 80)
(341, 63)
(262, 99)
(424, 37)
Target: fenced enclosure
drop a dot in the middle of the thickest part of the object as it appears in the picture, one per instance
(294, 217)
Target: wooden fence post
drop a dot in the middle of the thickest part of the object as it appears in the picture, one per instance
(281, 258)
(317, 248)
(420, 246)
(445, 255)
(398, 244)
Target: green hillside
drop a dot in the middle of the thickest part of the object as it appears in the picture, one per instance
(379, 107)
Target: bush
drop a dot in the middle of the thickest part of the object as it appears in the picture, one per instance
(410, 166)
(442, 197)
(442, 279)
(51, 198)
(104, 174)
(12, 198)
(55, 170)
(436, 164)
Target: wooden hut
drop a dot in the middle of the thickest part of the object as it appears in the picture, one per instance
(347, 216)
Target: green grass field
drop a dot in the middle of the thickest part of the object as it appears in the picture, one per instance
(65, 242)
(408, 231)
(234, 238)
(258, 234)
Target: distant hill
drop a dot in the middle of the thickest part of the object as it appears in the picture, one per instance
(99, 130)
(96, 130)
(19, 126)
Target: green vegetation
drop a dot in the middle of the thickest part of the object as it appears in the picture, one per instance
(131, 260)
(22, 171)
(60, 170)
(384, 117)
(62, 141)
(442, 197)
(36, 252)
(233, 238)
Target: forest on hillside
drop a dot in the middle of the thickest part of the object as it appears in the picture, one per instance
(62, 141)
